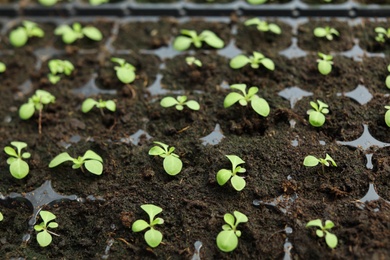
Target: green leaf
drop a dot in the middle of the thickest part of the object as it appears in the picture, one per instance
(319, 32)
(387, 118)
(88, 104)
(92, 33)
(324, 67)
(231, 99)
(39, 227)
(10, 151)
(238, 182)
(320, 233)
(311, 161)
(125, 75)
(239, 61)
(235, 160)
(151, 210)
(1, 217)
(47, 216)
(26, 111)
(223, 176)
(153, 237)
(11, 160)
(52, 225)
(62, 157)
(275, 28)
(240, 217)
(212, 39)
(158, 221)
(229, 219)
(260, 105)
(18, 37)
(44, 238)
(70, 37)
(268, 63)
(328, 224)
(92, 155)
(331, 240)
(172, 165)
(227, 241)
(316, 222)
(139, 225)
(192, 104)
(316, 119)
(94, 166)
(388, 81)
(110, 105)
(168, 102)
(182, 43)
(156, 150)
(19, 169)
(2, 67)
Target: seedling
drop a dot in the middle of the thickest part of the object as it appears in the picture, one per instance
(44, 237)
(89, 103)
(36, 102)
(92, 162)
(193, 61)
(387, 116)
(49, 2)
(264, 26)
(19, 36)
(17, 166)
(311, 161)
(172, 164)
(382, 34)
(317, 114)
(125, 71)
(59, 67)
(2, 67)
(224, 175)
(179, 103)
(188, 37)
(98, 2)
(330, 239)
(327, 32)
(257, 2)
(325, 63)
(258, 104)
(227, 239)
(71, 34)
(388, 77)
(255, 61)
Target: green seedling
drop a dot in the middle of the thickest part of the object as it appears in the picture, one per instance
(257, 2)
(327, 32)
(152, 237)
(92, 162)
(193, 61)
(387, 116)
(19, 36)
(179, 103)
(188, 37)
(44, 237)
(98, 2)
(71, 34)
(224, 175)
(255, 61)
(125, 71)
(264, 26)
(17, 166)
(50, 2)
(258, 104)
(325, 63)
(330, 239)
(2, 67)
(317, 114)
(227, 239)
(172, 164)
(311, 161)
(388, 77)
(57, 67)
(89, 103)
(382, 34)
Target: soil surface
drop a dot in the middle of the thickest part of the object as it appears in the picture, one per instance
(281, 194)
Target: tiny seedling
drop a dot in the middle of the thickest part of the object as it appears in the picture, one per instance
(382, 34)
(49, 2)
(330, 239)
(44, 237)
(255, 61)
(2, 67)
(311, 161)
(71, 34)
(227, 239)
(59, 67)
(193, 61)
(327, 32)
(91, 160)
(224, 175)
(17, 166)
(188, 37)
(257, 2)
(317, 114)
(89, 103)
(172, 164)
(98, 2)
(388, 77)
(152, 237)
(325, 63)
(264, 26)
(179, 103)
(387, 116)
(125, 71)
(258, 104)
(19, 36)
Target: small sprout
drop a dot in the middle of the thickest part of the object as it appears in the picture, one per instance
(98, 2)
(89, 103)
(71, 34)
(258, 104)
(311, 161)
(193, 61)
(330, 239)
(36, 102)
(183, 42)
(224, 175)
(264, 26)
(92, 162)
(48, 2)
(2, 67)
(59, 67)
(387, 116)
(125, 71)
(172, 164)
(257, 2)
(19, 36)
(179, 103)
(255, 61)
(382, 34)
(327, 32)
(17, 166)
(317, 114)
(388, 77)
(44, 237)
(227, 239)
(325, 63)
(152, 237)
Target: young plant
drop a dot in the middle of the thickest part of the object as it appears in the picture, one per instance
(188, 37)
(179, 103)
(382, 34)
(227, 239)
(152, 237)
(255, 61)
(193, 61)
(317, 114)
(172, 164)
(387, 116)
(258, 104)
(325, 63)
(44, 237)
(388, 77)
(224, 175)
(89, 103)
(125, 71)
(264, 26)
(330, 239)
(311, 161)
(92, 162)
(71, 34)
(327, 32)
(2, 67)
(17, 166)
(19, 36)
(59, 67)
